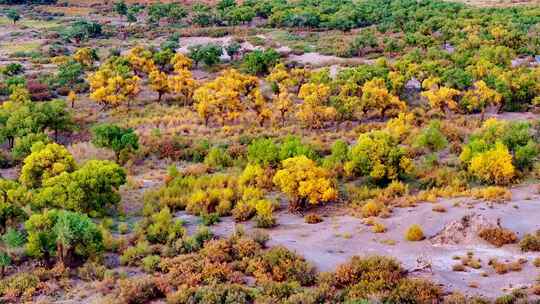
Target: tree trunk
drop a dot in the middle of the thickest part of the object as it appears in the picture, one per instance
(60, 252)
(482, 115)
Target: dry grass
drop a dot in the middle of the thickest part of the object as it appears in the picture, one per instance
(28, 46)
(68, 11)
(85, 151)
(32, 23)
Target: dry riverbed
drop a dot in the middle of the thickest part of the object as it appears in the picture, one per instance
(337, 238)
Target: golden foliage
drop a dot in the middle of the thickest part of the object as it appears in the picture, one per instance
(414, 233)
(140, 60)
(480, 97)
(286, 80)
(283, 104)
(111, 87)
(493, 166)
(158, 81)
(314, 111)
(376, 98)
(228, 96)
(442, 98)
(304, 181)
(71, 98)
(181, 62)
(85, 56)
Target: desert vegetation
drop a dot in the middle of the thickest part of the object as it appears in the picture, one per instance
(269, 151)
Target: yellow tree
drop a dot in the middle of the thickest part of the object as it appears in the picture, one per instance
(315, 111)
(181, 82)
(493, 166)
(431, 83)
(71, 98)
(183, 85)
(479, 98)
(349, 100)
(287, 79)
(159, 82)
(225, 97)
(397, 81)
(305, 182)
(112, 86)
(181, 62)
(442, 98)
(375, 97)
(85, 56)
(283, 104)
(140, 60)
(259, 105)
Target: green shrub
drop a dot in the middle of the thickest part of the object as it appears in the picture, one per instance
(134, 254)
(431, 137)
(260, 62)
(530, 242)
(209, 219)
(208, 54)
(263, 151)
(23, 145)
(292, 146)
(150, 263)
(218, 158)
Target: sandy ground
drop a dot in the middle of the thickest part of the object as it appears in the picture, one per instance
(318, 60)
(337, 238)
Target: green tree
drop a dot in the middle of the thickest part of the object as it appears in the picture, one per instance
(233, 49)
(431, 137)
(70, 75)
(82, 30)
(260, 62)
(12, 200)
(378, 155)
(240, 14)
(13, 14)
(45, 161)
(12, 69)
(55, 116)
(23, 145)
(5, 261)
(121, 8)
(172, 11)
(20, 117)
(91, 189)
(116, 138)
(63, 234)
(202, 15)
(208, 54)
